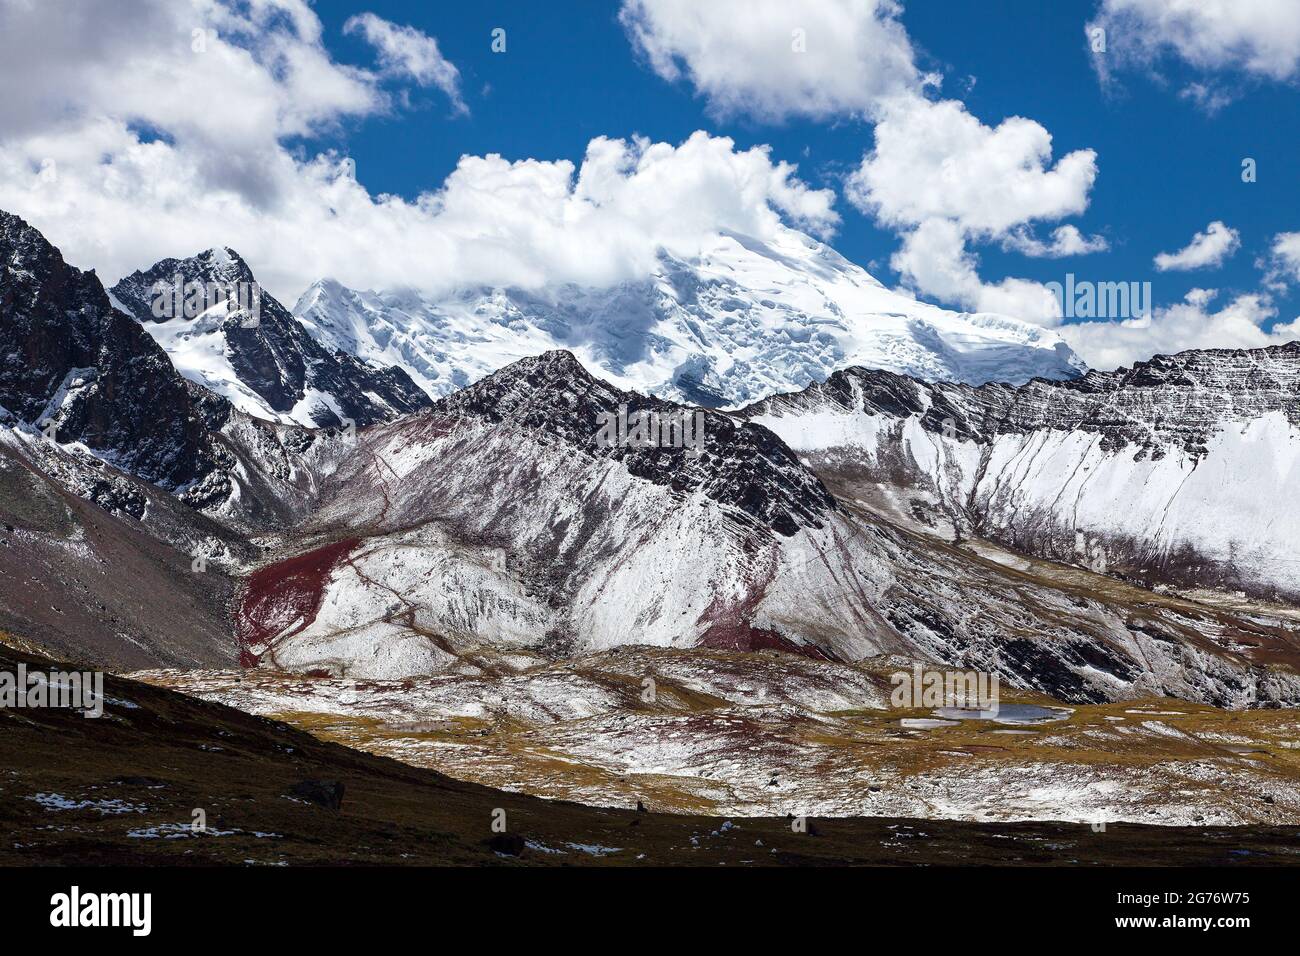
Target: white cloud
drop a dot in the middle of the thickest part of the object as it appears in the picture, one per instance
(124, 152)
(944, 179)
(405, 51)
(226, 83)
(493, 222)
(1208, 98)
(775, 59)
(1283, 266)
(1190, 324)
(934, 259)
(936, 160)
(1257, 38)
(1207, 249)
(1066, 241)
(937, 175)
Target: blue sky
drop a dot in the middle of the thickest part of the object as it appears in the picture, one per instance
(970, 152)
(1167, 167)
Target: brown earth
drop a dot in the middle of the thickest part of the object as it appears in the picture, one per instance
(78, 582)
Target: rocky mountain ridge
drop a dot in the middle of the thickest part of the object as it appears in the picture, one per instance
(78, 369)
(493, 533)
(502, 527)
(244, 345)
(1168, 471)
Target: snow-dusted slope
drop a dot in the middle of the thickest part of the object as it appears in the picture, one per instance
(744, 320)
(259, 358)
(1178, 471)
(496, 529)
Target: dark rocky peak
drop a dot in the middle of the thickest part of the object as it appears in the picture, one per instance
(951, 408)
(267, 348)
(78, 368)
(547, 388)
(1181, 398)
(25, 250)
(848, 390)
(221, 268)
(1271, 370)
(555, 401)
(1170, 399)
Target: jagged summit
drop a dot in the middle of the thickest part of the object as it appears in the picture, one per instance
(96, 399)
(1157, 472)
(554, 398)
(23, 240)
(138, 291)
(534, 386)
(558, 365)
(1182, 397)
(89, 374)
(241, 343)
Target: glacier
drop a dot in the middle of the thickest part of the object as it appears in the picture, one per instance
(741, 320)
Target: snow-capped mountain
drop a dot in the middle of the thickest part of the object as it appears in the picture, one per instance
(511, 524)
(744, 320)
(90, 400)
(497, 530)
(1179, 470)
(245, 346)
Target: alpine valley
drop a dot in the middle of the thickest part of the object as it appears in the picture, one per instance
(386, 518)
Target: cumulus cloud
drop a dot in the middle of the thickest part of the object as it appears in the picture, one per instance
(934, 259)
(125, 152)
(492, 222)
(1190, 324)
(775, 59)
(1259, 39)
(224, 82)
(1283, 265)
(935, 160)
(405, 51)
(1066, 241)
(1207, 249)
(938, 175)
(944, 179)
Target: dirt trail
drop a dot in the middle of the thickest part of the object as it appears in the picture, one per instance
(381, 465)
